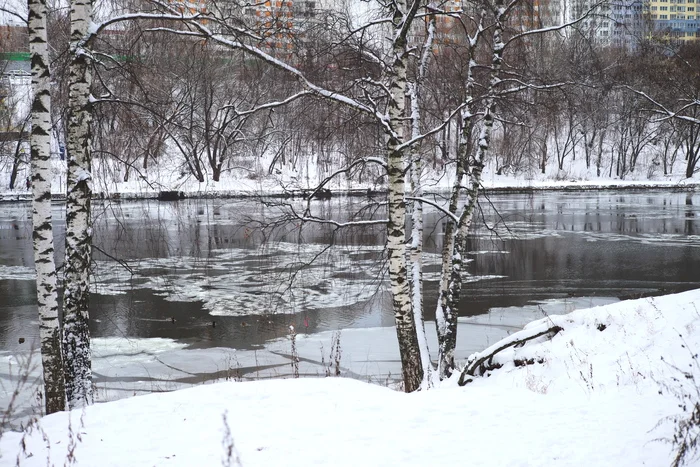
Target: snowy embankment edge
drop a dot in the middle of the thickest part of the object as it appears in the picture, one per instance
(646, 343)
(515, 188)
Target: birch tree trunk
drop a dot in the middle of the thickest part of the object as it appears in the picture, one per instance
(415, 258)
(469, 178)
(46, 292)
(396, 228)
(416, 244)
(445, 317)
(76, 333)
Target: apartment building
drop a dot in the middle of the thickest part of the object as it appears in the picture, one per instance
(677, 21)
(627, 23)
(617, 23)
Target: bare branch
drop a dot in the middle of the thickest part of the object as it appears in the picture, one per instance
(452, 217)
(557, 27)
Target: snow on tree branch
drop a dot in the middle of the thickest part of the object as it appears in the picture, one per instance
(475, 364)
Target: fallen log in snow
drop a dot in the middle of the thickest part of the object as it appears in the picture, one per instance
(480, 362)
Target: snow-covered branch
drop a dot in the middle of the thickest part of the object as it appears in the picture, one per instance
(341, 225)
(476, 364)
(665, 110)
(522, 86)
(267, 105)
(555, 28)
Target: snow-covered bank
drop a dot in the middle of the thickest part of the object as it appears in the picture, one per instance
(506, 185)
(599, 393)
(238, 183)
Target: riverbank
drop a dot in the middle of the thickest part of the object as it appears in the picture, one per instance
(165, 180)
(507, 185)
(604, 391)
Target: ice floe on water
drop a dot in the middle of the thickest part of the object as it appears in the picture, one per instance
(107, 347)
(17, 273)
(517, 229)
(515, 317)
(239, 282)
(521, 230)
(488, 252)
(279, 276)
(644, 238)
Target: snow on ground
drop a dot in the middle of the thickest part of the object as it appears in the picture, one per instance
(599, 393)
(125, 367)
(166, 174)
(344, 422)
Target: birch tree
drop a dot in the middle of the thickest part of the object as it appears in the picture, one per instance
(47, 298)
(416, 192)
(489, 19)
(76, 332)
(402, 19)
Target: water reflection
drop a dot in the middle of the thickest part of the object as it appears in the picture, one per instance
(217, 272)
(563, 244)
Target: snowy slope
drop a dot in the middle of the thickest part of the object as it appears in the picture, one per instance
(338, 422)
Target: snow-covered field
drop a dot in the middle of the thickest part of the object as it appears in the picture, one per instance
(603, 392)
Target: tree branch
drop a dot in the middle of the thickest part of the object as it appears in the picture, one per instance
(475, 367)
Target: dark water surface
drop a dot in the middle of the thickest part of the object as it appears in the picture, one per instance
(205, 271)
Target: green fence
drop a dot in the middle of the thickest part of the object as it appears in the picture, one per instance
(15, 56)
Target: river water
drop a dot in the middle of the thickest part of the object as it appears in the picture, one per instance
(233, 273)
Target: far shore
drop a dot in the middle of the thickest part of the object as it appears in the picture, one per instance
(538, 186)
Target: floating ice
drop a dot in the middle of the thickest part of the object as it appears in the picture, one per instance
(17, 273)
(240, 282)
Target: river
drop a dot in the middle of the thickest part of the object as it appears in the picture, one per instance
(213, 273)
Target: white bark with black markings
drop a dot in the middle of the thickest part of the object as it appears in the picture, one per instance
(76, 333)
(46, 292)
(415, 258)
(446, 312)
(412, 369)
(469, 172)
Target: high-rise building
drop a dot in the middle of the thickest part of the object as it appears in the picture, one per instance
(627, 23)
(677, 21)
(448, 28)
(618, 23)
